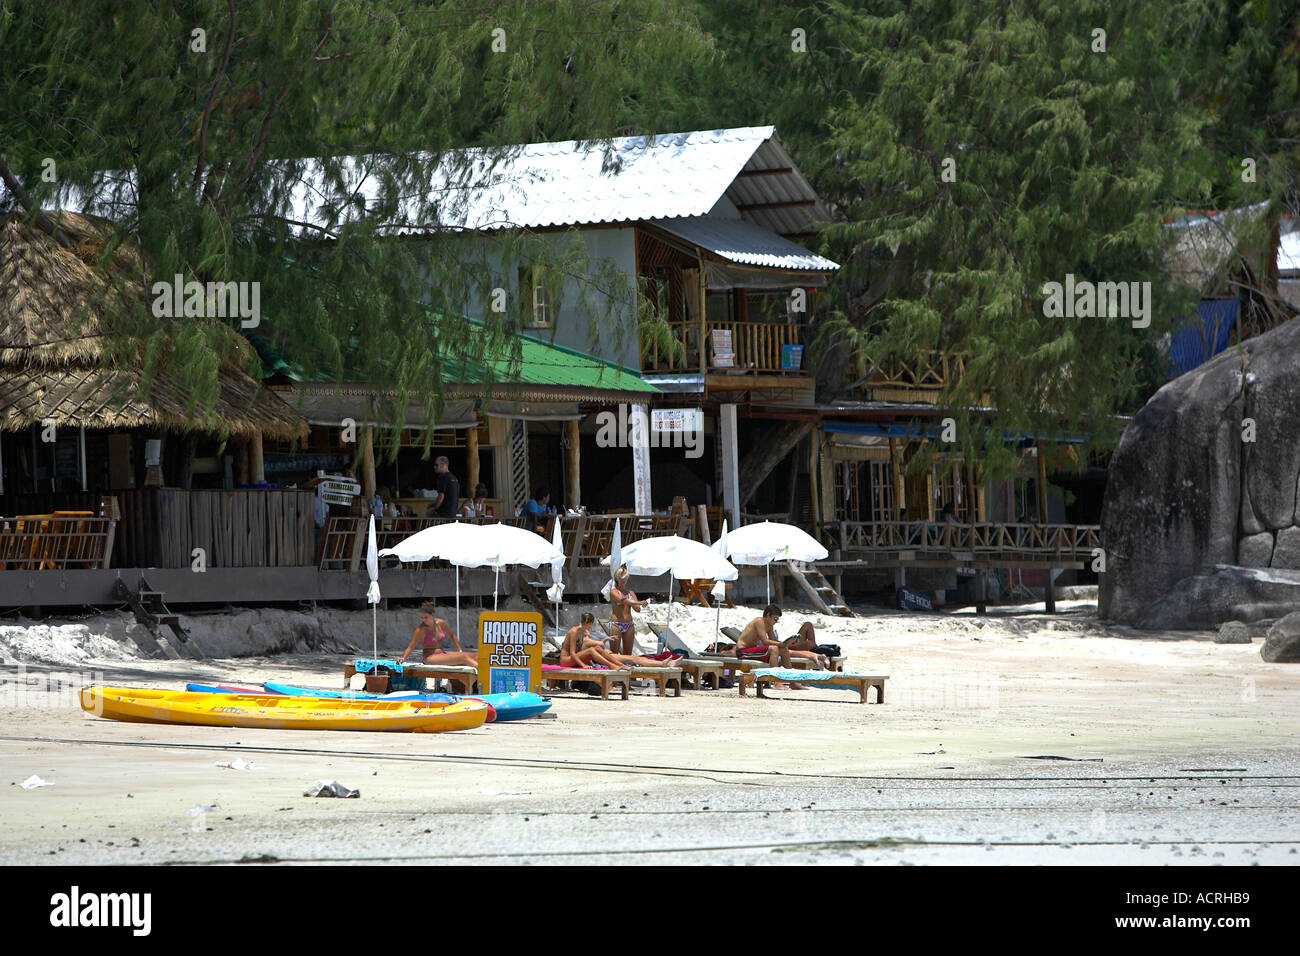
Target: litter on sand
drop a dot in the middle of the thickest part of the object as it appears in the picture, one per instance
(34, 781)
(329, 788)
(239, 763)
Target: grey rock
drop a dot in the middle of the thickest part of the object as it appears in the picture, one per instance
(1232, 632)
(1256, 550)
(1228, 594)
(1282, 646)
(1183, 486)
(1286, 553)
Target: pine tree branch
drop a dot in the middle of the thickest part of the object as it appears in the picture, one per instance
(38, 215)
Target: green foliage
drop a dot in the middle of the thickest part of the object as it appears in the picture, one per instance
(211, 144)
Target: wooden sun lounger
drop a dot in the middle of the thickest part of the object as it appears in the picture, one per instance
(862, 682)
(662, 676)
(466, 677)
(702, 674)
(837, 663)
(602, 677)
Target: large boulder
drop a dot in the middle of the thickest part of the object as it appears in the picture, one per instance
(1282, 645)
(1188, 495)
(1229, 594)
(1233, 632)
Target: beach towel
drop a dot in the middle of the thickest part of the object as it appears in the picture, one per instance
(364, 665)
(799, 677)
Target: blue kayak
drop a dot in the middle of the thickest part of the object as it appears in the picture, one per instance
(516, 706)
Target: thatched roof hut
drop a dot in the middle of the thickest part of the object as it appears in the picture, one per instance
(55, 358)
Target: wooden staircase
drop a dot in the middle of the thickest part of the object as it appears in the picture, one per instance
(149, 609)
(814, 584)
(534, 592)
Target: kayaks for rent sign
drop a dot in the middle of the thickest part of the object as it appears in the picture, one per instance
(509, 652)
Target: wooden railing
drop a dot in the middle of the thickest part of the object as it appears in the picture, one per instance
(756, 347)
(344, 547)
(585, 538)
(1047, 541)
(926, 372)
(55, 542)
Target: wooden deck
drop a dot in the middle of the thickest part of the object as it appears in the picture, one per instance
(983, 544)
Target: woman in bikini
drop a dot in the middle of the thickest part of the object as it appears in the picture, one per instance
(440, 644)
(582, 650)
(623, 602)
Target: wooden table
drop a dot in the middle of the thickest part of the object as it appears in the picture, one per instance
(700, 588)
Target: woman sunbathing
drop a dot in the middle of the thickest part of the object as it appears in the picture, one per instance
(440, 644)
(582, 650)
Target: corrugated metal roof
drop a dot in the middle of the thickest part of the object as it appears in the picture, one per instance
(745, 243)
(540, 185)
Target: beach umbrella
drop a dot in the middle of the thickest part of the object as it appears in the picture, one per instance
(615, 551)
(677, 557)
(372, 593)
(437, 541)
(496, 546)
(768, 541)
(556, 591)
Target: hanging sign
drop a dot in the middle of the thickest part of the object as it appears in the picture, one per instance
(677, 420)
(509, 652)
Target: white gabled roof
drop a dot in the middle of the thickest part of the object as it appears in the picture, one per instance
(744, 243)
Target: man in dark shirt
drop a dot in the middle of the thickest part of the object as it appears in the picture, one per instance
(448, 489)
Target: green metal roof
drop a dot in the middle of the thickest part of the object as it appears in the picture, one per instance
(540, 363)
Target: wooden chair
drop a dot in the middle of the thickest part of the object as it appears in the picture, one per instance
(554, 675)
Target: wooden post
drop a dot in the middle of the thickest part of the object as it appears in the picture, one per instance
(572, 465)
(900, 490)
(981, 588)
(241, 461)
(814, 476)
(471, 461)
(702, 290)
(702, 524)
(187, 466)
(368, 467)
(730, 463)
(257, 471)
(1049, 591)
(579, 540)
(929, 494)
(81, 457)
(1042, 484)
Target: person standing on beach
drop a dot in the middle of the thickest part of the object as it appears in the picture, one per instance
(623, 601)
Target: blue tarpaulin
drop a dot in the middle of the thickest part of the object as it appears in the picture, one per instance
(1201, 338)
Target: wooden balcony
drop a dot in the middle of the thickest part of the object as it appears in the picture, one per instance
(758, 347)
(981, 542)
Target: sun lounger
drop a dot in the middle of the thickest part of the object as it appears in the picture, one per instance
(662, 676)
(702, 674)
(837, 663)
(772, 675)
(554, 674)
(466, 677)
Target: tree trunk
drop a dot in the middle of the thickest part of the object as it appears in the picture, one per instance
(776, 445)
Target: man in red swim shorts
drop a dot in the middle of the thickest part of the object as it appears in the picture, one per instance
(758, 642)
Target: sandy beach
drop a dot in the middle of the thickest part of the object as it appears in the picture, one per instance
(1011, 738)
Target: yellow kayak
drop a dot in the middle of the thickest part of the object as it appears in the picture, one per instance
(280, 713)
